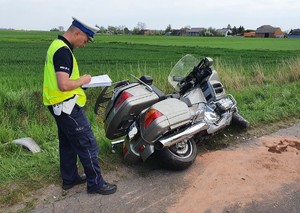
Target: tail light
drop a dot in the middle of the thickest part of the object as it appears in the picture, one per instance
(151, 115)
(122, 98)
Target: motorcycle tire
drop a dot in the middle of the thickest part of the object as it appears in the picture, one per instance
(179, 156)
(238, 120)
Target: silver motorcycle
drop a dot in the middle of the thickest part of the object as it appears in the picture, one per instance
(147, 121)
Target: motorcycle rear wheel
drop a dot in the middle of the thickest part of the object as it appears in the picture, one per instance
(179, 156)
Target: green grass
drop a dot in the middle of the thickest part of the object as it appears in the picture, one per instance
(236, 43)
(262, 74)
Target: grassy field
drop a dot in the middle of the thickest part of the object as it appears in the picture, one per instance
(263, 75)
(236, 43)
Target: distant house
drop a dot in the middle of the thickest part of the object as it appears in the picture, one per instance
(178, 32)
(224, 32)
(145, 31)
(294, 33)
(267, 31)
(195, 31)
(249, 34)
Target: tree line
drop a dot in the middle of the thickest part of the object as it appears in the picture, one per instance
(141, 29)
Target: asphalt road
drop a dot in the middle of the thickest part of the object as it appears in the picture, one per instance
(147, 188)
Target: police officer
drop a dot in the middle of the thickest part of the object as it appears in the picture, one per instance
(63, 95)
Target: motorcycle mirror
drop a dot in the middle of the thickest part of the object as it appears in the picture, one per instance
(208, 61)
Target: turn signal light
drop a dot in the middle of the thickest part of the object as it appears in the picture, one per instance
(125, 150)
(122, 98)
(142, 148)
(151, 115)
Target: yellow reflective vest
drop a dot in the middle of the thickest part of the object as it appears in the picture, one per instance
(51, 93)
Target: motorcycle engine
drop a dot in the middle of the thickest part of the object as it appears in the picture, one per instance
(214, 110)
(224, 105)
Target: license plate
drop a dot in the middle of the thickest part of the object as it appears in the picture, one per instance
(132, 130)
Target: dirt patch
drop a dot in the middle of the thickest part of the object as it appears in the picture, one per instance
(241, 175)
(283, 146)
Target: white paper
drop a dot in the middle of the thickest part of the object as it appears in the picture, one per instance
(99, 81)
(69, 105)
(57, 108)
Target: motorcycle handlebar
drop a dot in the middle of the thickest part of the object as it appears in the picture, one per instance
(205, 62)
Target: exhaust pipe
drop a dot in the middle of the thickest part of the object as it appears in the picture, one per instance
(186, 134)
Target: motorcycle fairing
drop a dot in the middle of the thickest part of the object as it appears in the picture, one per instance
(213, 89)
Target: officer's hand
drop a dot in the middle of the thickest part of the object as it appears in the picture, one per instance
(85, 79)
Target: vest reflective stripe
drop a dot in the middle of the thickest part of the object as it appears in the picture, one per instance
(51, 93)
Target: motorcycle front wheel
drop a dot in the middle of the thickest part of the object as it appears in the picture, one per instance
(179, 156)
(238, 120)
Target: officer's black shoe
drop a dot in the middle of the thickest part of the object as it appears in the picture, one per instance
(80, 180)
(106, 189)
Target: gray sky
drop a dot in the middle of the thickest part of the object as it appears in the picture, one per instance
(156, 14)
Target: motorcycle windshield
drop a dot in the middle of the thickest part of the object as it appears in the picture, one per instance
(181, 69)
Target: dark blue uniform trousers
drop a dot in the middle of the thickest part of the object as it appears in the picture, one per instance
(77, 139)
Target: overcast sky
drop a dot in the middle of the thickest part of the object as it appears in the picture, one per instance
(155, 14)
